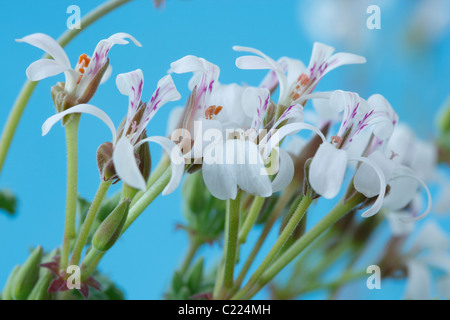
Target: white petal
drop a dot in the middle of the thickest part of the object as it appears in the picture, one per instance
(256, 101)
(403, 188)
(285, 173)
(81, 108)
(431, 237)
(247, 63)
(251, 175)
(382, 184)
(327, 170)
(106, 75)
(397, 225)
(366, 180)
(219, 178)
(49, 45)
(276, 136)
(418, 286)
(44, 68)
(293, 67)
(325, 110)
(125, 164)
(100, 57)
(176, 158)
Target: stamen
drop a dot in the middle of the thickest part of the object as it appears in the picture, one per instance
(303, 79)
(83, 62)
(212, 111)
(336, 139)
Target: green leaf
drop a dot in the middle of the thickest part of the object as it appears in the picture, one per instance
(8, 202)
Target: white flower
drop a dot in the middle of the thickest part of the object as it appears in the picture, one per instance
(233, 115)
(429, 251)
(131, 133)
(81, 81)
(328, 166)
(298, 82)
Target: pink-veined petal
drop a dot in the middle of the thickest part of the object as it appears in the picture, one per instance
(100, 57)
(131, 84)
(256, 100)
(81, 108)
(125, 164)
(49, 45)
(327, 170)
(176, 159)
(44, 68)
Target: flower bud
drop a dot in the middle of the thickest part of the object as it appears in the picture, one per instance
(40, 289)
(194, 192)
(27, 275)
(105, 162)
(7, 290)
(109, 231)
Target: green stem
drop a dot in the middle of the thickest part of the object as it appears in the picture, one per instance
(231, 243)
(251, 218)
(29, 86)
(71, 129)
(147, 198)
(192, 250)
(293, 222)
(90, 262)
(88, 221)
(277, 211)
(156, 174)
(334, 215)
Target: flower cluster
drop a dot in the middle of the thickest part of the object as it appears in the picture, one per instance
(230, 141)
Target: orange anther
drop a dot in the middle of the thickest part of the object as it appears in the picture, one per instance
(336, 139)
(212, 111)
(295, 96)
(303, 79)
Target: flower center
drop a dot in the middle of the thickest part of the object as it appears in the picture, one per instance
(212, 111)
(83, 62)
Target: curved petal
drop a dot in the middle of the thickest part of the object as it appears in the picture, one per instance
(174, 121)
(44, 68)
(292, 67)
(285, 172)
(255, 63)
(327, 170)
(81, 108)
(125, 164)
(274, 137)
(402, 188)
(176, 158)
(256, 100)
(382, 184)
(49, 45)
(131, 84)
(366, 180)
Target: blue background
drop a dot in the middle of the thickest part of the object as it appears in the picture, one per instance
(412, 75)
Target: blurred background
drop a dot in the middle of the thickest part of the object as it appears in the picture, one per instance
(407, 61)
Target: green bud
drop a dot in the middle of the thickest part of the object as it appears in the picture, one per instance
(194, 276)
(27, 276)
(39, 291)
(109, 231)
(7, 290)
(105, 162)
(177, 282)
(194, 192)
